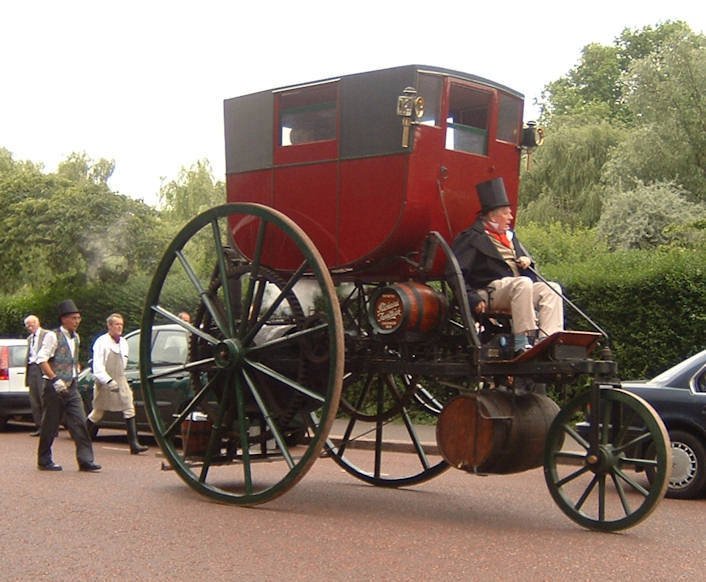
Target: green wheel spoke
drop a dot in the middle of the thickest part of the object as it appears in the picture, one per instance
(254, 271)
(267, 415)
(175, 319)
(576, 436)
(214, 441)
(222, 269)
(571, 477)
(645, 437)
(409, 426)
(634, 484)
(601, 497)
(296, 276)
(621, 493)
(243, 430)
(292, 338)
(203, 295)
(190, 407)
(586, 493)
(284, 380)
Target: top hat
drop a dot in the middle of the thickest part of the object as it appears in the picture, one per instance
(67, 307)
(492, 195)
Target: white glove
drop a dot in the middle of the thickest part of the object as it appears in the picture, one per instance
(59, 385)
(113, 386)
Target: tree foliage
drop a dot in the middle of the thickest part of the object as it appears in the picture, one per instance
(69, 227)
(627, 116)
(647, 217)
(192, 192)
(564, 183)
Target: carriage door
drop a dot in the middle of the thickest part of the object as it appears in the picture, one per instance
(467, 158)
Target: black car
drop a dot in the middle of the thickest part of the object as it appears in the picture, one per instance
(169, 349)
(678, 395)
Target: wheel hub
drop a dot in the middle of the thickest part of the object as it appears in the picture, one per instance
(228, 353)
(601, 461)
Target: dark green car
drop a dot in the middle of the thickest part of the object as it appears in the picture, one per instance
(169, 349)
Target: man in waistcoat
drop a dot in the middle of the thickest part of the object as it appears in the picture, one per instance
(492, 259)
(33, 375)
(111, 391)
(58, 360)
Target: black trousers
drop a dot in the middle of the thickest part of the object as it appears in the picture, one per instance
(69, 406)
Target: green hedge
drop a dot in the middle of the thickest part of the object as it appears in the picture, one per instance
(651, 304)
(96, 302)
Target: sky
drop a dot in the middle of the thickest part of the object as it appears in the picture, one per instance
(143, 82)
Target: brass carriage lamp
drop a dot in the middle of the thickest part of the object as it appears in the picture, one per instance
(410, 107)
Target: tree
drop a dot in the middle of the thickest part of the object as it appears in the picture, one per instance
(597, 84)
(666, 93)
(564, 184)
(647, 217)
(590, 89)
(194, 191)
(69, 226)
(625, 116)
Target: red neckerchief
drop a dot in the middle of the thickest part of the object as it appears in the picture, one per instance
(501, 236)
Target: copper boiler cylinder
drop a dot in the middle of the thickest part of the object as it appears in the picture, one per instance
(495, 431)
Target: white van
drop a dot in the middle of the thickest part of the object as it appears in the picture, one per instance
(14, 395)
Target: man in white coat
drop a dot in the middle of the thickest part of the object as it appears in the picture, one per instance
(111, 391)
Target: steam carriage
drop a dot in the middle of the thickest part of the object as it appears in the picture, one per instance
(331, 318)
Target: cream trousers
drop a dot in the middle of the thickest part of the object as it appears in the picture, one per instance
(532, 305)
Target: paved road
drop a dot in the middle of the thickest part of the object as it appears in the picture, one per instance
(136, 522)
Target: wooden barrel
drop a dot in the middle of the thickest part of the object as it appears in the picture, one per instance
(407, 307)
(495, 431)
(195, 433)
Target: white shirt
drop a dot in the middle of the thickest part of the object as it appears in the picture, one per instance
(48, 349)
(33, 351)
(101, 348)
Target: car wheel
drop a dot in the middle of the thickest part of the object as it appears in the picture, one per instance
(688, 478)
(3, 423)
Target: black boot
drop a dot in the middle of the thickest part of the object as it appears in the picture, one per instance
(135, 447)
(92, 429)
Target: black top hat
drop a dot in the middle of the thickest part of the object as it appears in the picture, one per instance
(67, 307)
(492, 195)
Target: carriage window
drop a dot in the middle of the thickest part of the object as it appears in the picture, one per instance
(509, 119)
(429, 87)
(307, 115)
(467, 121)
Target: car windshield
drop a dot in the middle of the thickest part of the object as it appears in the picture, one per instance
(170, 347)
(686, 368)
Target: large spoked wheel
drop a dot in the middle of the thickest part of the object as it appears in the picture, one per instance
(383, 414)
(371, 437)
(595, 464)
(260, 408)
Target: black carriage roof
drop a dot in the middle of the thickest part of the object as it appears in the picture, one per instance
(367, 99)
(409, 69)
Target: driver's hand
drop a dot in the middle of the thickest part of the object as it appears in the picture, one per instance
(524, 262)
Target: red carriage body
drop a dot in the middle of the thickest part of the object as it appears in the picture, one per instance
(332, 156)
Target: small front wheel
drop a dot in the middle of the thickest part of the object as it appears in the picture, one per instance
(596, 460)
